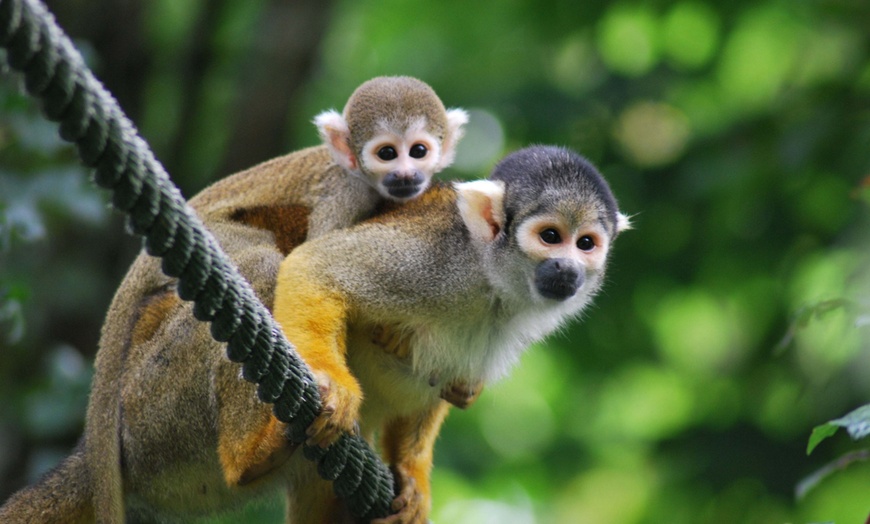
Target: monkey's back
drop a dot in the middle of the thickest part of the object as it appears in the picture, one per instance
(273, 182)
(413, 257)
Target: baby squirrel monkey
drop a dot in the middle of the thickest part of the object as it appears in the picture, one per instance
(165, 403)
(470, 274)
(392, 137)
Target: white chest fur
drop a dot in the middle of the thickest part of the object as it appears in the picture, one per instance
(484, 348)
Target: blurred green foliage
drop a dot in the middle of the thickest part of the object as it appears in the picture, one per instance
(738, 135)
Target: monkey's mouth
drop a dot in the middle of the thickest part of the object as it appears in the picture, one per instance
(557, 290)
(401, 186)
(403, 192)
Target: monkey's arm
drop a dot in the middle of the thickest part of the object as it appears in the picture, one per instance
(314, 317)
(407, 444)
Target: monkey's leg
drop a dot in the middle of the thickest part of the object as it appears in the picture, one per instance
(251, 441)
(314, 319)
(310, 499)
(62, 496)
(407, 444)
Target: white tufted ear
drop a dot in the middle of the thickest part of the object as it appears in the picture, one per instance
(335, 134)
(456, 119)
(623, 222)
(481, 206)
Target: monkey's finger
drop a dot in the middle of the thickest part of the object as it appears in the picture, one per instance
(400, 502)
(458, 398)
(318, 426)
(325, 437)
(400, 347)
(407, 516)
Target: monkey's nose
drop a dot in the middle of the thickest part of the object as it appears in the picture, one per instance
(402, 184)
(558, 278)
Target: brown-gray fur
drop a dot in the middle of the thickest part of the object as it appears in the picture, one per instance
(163, 391)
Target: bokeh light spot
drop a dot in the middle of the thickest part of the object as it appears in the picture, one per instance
(757, 58)
(482, 143)
(627, 40)
(690, 34)
(698, 332)
(652, 134)
(605, 496)
(644, 402)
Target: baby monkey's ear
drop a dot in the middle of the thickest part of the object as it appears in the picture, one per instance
(456, 120)
(335, 134)
(481, 206)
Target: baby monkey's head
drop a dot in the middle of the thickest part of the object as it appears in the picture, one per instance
(394, 132)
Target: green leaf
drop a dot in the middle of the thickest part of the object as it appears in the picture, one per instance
(819, 434)
(856, 422)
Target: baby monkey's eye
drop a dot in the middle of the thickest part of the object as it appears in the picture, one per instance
(585, 243)
(387, 153)
(550, 236)
(418, 151)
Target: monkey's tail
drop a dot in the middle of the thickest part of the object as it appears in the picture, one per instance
(63, 495)
(103, 437)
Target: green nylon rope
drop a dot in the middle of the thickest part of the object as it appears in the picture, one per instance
(107, 141)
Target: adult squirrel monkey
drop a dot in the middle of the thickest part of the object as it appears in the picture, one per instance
(470, 274)
(171, 429)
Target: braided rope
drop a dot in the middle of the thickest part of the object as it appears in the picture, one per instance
(107, 141)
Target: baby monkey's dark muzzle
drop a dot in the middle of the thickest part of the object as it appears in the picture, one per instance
(403, 184)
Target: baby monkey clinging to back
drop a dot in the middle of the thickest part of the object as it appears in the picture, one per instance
(393, 136)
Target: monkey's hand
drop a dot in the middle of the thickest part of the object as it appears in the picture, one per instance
(340, 412)
(461, 394)
(409, 506)
(391, 341)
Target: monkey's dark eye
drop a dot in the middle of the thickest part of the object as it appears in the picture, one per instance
(418, 151)
(550, 236)
(585, 243)
(387, 153)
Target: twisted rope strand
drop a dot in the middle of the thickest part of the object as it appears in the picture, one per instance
(107, 141)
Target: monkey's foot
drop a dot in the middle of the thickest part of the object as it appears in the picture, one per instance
(461, 394)
(391, 341)
(339, 413)
(409, 506)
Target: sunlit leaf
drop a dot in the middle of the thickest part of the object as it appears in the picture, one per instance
(819, 434)
(857, 424)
